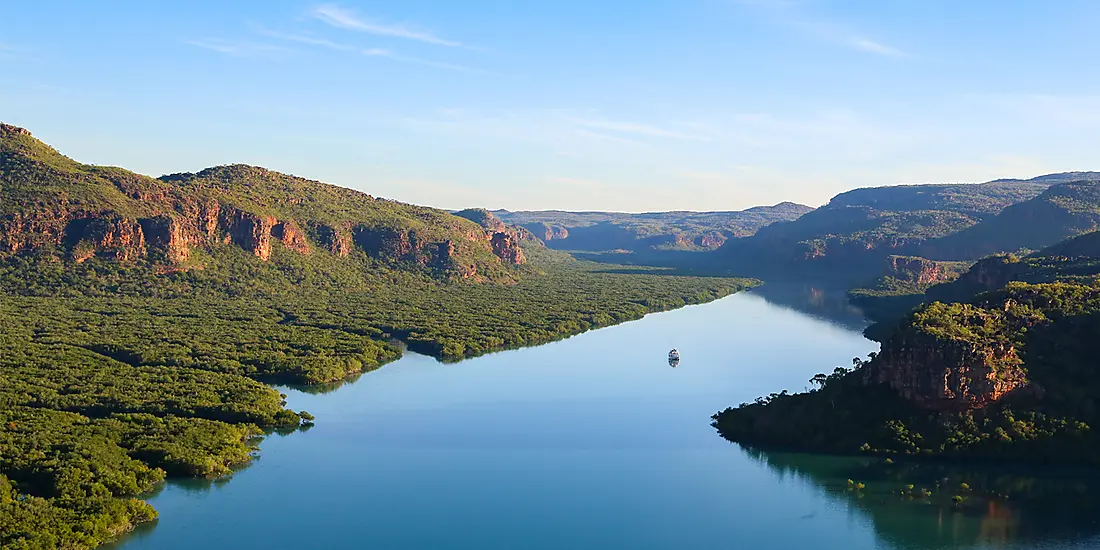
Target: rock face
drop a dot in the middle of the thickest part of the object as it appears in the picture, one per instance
(506, 247)
(55, 205)
(953, 357)
(711, 239)
(547, 232)
(110, 236)
(167, 239)
(916, 270)
(291, 236)
(248, 231)
(951, 375)
(336, 240)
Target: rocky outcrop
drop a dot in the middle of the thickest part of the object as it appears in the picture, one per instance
(291, 236)
(547, 232)
(336, 240)
(247, 230)
(387, 243)
(954, 357)
(916, 270)
(54, 205)
(506, 247)
(948, 375)
(110, 236)
(167, 239)
(711, 239)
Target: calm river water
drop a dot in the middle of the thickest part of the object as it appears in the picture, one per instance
(591, 443)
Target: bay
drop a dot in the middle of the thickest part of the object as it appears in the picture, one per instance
(593, 442)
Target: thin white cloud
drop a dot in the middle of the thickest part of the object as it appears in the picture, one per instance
(875, 47)
(302, 39)
(345, 19)
(237, 49)
(791, 14)
(387, 54)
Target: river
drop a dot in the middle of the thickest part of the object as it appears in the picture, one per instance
(593, 442)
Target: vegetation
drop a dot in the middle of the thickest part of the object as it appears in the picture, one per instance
(121, 366)
(1075, 260)
(1046, 416)
(125, 375)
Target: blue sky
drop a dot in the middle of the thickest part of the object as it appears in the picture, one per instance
(585, 105)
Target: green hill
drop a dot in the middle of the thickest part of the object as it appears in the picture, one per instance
(997, 364)
(1062, 211)
(54, 204)
(141, 318)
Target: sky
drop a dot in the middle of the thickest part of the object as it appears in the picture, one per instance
(640, 105)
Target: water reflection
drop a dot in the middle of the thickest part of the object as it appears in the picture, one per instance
(1000, 507)
(822, 301)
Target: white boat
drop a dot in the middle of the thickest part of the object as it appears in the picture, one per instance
(674, 355)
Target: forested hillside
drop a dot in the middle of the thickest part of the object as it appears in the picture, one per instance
(140, 319)
(1001, 368)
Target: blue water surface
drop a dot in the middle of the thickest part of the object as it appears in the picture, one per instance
(593, 442)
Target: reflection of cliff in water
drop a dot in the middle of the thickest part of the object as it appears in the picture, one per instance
(822, 301)
(1046, 509)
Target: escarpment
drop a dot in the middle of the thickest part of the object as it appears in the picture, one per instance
(917, 270)
(944, 373)
(52, 204)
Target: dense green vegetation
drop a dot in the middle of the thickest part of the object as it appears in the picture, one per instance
(1075, 260)
(1062, 211)
(124, 375)
(1039, 331)
(141, 318)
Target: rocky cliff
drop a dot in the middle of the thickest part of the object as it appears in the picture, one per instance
(917, 270)
(52, 203)
(945, 373)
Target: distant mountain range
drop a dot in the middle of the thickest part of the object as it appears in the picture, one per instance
(606, 231)
(851, 238)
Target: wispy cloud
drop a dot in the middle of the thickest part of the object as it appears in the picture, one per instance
(382, 52)
(875, 47)
(346, 19)
(301, 38)
(237, 49)
(792, 14)
(634, 128)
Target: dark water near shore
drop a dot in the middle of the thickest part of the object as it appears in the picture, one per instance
(596, 443)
